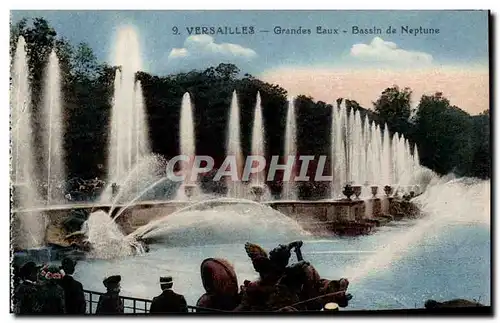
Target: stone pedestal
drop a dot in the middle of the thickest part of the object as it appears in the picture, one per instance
(376, 207)
(115, 188)
(357, 191)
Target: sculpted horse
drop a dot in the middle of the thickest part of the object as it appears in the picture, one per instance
(279, 288)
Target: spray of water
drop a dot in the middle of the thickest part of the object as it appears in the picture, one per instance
(129, 140)
(289, 189)
(258, 140)
(52, 129)
(233, 148)
(446, 202)
(31, 224)
(225, 223)
(106, 238)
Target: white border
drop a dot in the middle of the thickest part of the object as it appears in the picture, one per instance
(185, 4)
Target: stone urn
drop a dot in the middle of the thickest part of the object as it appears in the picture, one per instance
(189, 190)
(257, 191)
(348, 191)
(357, 191)
(387, 190)
(374, 191)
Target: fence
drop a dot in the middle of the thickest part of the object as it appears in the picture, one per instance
(131, 305)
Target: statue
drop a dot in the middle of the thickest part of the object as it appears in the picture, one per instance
(291, 287)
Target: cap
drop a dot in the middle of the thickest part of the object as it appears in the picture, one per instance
(112, 280)
(166, 280)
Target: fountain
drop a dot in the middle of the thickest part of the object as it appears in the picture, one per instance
(52, 131)
(257, 180)
(289, 188)
(31, 225)
(339, 160)
(187, 149)
(233, 148)
(129, 132)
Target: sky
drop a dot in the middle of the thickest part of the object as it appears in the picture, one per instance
(325, 66)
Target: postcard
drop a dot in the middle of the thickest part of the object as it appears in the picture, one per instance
(250, 161)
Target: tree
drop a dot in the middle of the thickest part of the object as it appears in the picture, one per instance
(443, 133)
(85, 65)
(394, 108)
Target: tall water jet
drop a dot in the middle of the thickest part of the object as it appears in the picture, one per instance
(233, 148)
(340, 151)
(334, 188)
(257, 180)
(386, 162)
(142, 147)
(187, 146)
(52, 130)
(30, 225)
(289, 188)
(129, 132)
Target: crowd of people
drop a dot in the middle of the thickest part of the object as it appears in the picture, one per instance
(51, 289)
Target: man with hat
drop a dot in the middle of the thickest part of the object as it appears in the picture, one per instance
(73, 289)
(110, 302)
(24, 299)
(168, 301)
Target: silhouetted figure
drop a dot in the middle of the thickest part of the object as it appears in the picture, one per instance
(50, 295)
(168, 301)
(16, 273)
(110, 302)
(454, 303)
(24, 299)
(73, 289)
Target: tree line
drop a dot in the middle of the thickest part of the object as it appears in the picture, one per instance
(449, 139)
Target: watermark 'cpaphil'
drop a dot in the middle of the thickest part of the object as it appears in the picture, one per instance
(254, 167)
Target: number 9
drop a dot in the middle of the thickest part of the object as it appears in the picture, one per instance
(175, 30)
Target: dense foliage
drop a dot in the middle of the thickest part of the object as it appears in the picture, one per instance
(449, 139)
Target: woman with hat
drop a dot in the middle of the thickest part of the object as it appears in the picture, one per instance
(50, 296)
(110, 302)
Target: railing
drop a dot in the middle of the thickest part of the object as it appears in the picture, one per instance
(132, 305)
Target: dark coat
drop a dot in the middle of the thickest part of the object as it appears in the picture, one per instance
(25, 298)
(50, 298)
(110, 303)
(168, 302)
(74, 296)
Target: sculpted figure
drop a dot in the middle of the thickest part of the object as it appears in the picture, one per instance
(221, 285)
(297, 286)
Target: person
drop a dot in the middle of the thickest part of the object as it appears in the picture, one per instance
(73, 289)
(168, 301)
(50, 296)
(110, 302)
(24, 299)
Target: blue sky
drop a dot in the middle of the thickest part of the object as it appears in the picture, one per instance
(463, 37)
